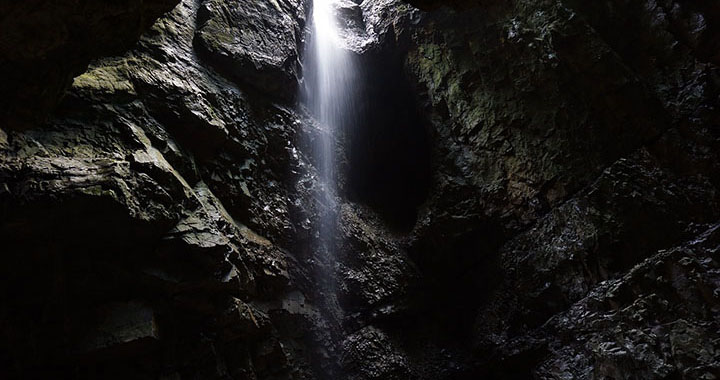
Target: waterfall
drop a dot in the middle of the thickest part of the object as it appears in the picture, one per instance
(327, 95)
(329, 81)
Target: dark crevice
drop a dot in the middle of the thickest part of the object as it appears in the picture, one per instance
(389, 149)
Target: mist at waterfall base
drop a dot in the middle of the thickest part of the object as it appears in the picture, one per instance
(329, 95)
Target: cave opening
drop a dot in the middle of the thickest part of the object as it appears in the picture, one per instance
(389, 149)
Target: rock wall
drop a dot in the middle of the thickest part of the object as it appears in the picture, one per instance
(530, 192)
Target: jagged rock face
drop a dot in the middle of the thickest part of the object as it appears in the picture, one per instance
(598, 153)
(246, 44)
(526, 194)
(140, 176)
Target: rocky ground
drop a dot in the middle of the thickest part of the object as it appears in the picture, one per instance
(529, 192)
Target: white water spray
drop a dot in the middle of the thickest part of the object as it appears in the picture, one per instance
(328, 95)
(329, 75)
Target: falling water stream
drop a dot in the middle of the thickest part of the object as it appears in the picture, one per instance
(327, 94)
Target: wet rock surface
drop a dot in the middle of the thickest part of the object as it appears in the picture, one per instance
(530, 192)
(256, 44)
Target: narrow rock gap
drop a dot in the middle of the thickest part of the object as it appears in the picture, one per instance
(389, 150)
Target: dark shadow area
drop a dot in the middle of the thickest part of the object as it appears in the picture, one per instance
(86, 292)
(460, 271)
(389, 149)
(435, 323)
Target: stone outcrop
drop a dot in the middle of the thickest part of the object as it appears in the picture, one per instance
(530, 192)
(249, 46)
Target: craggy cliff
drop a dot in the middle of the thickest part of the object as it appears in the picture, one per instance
(530, 192)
